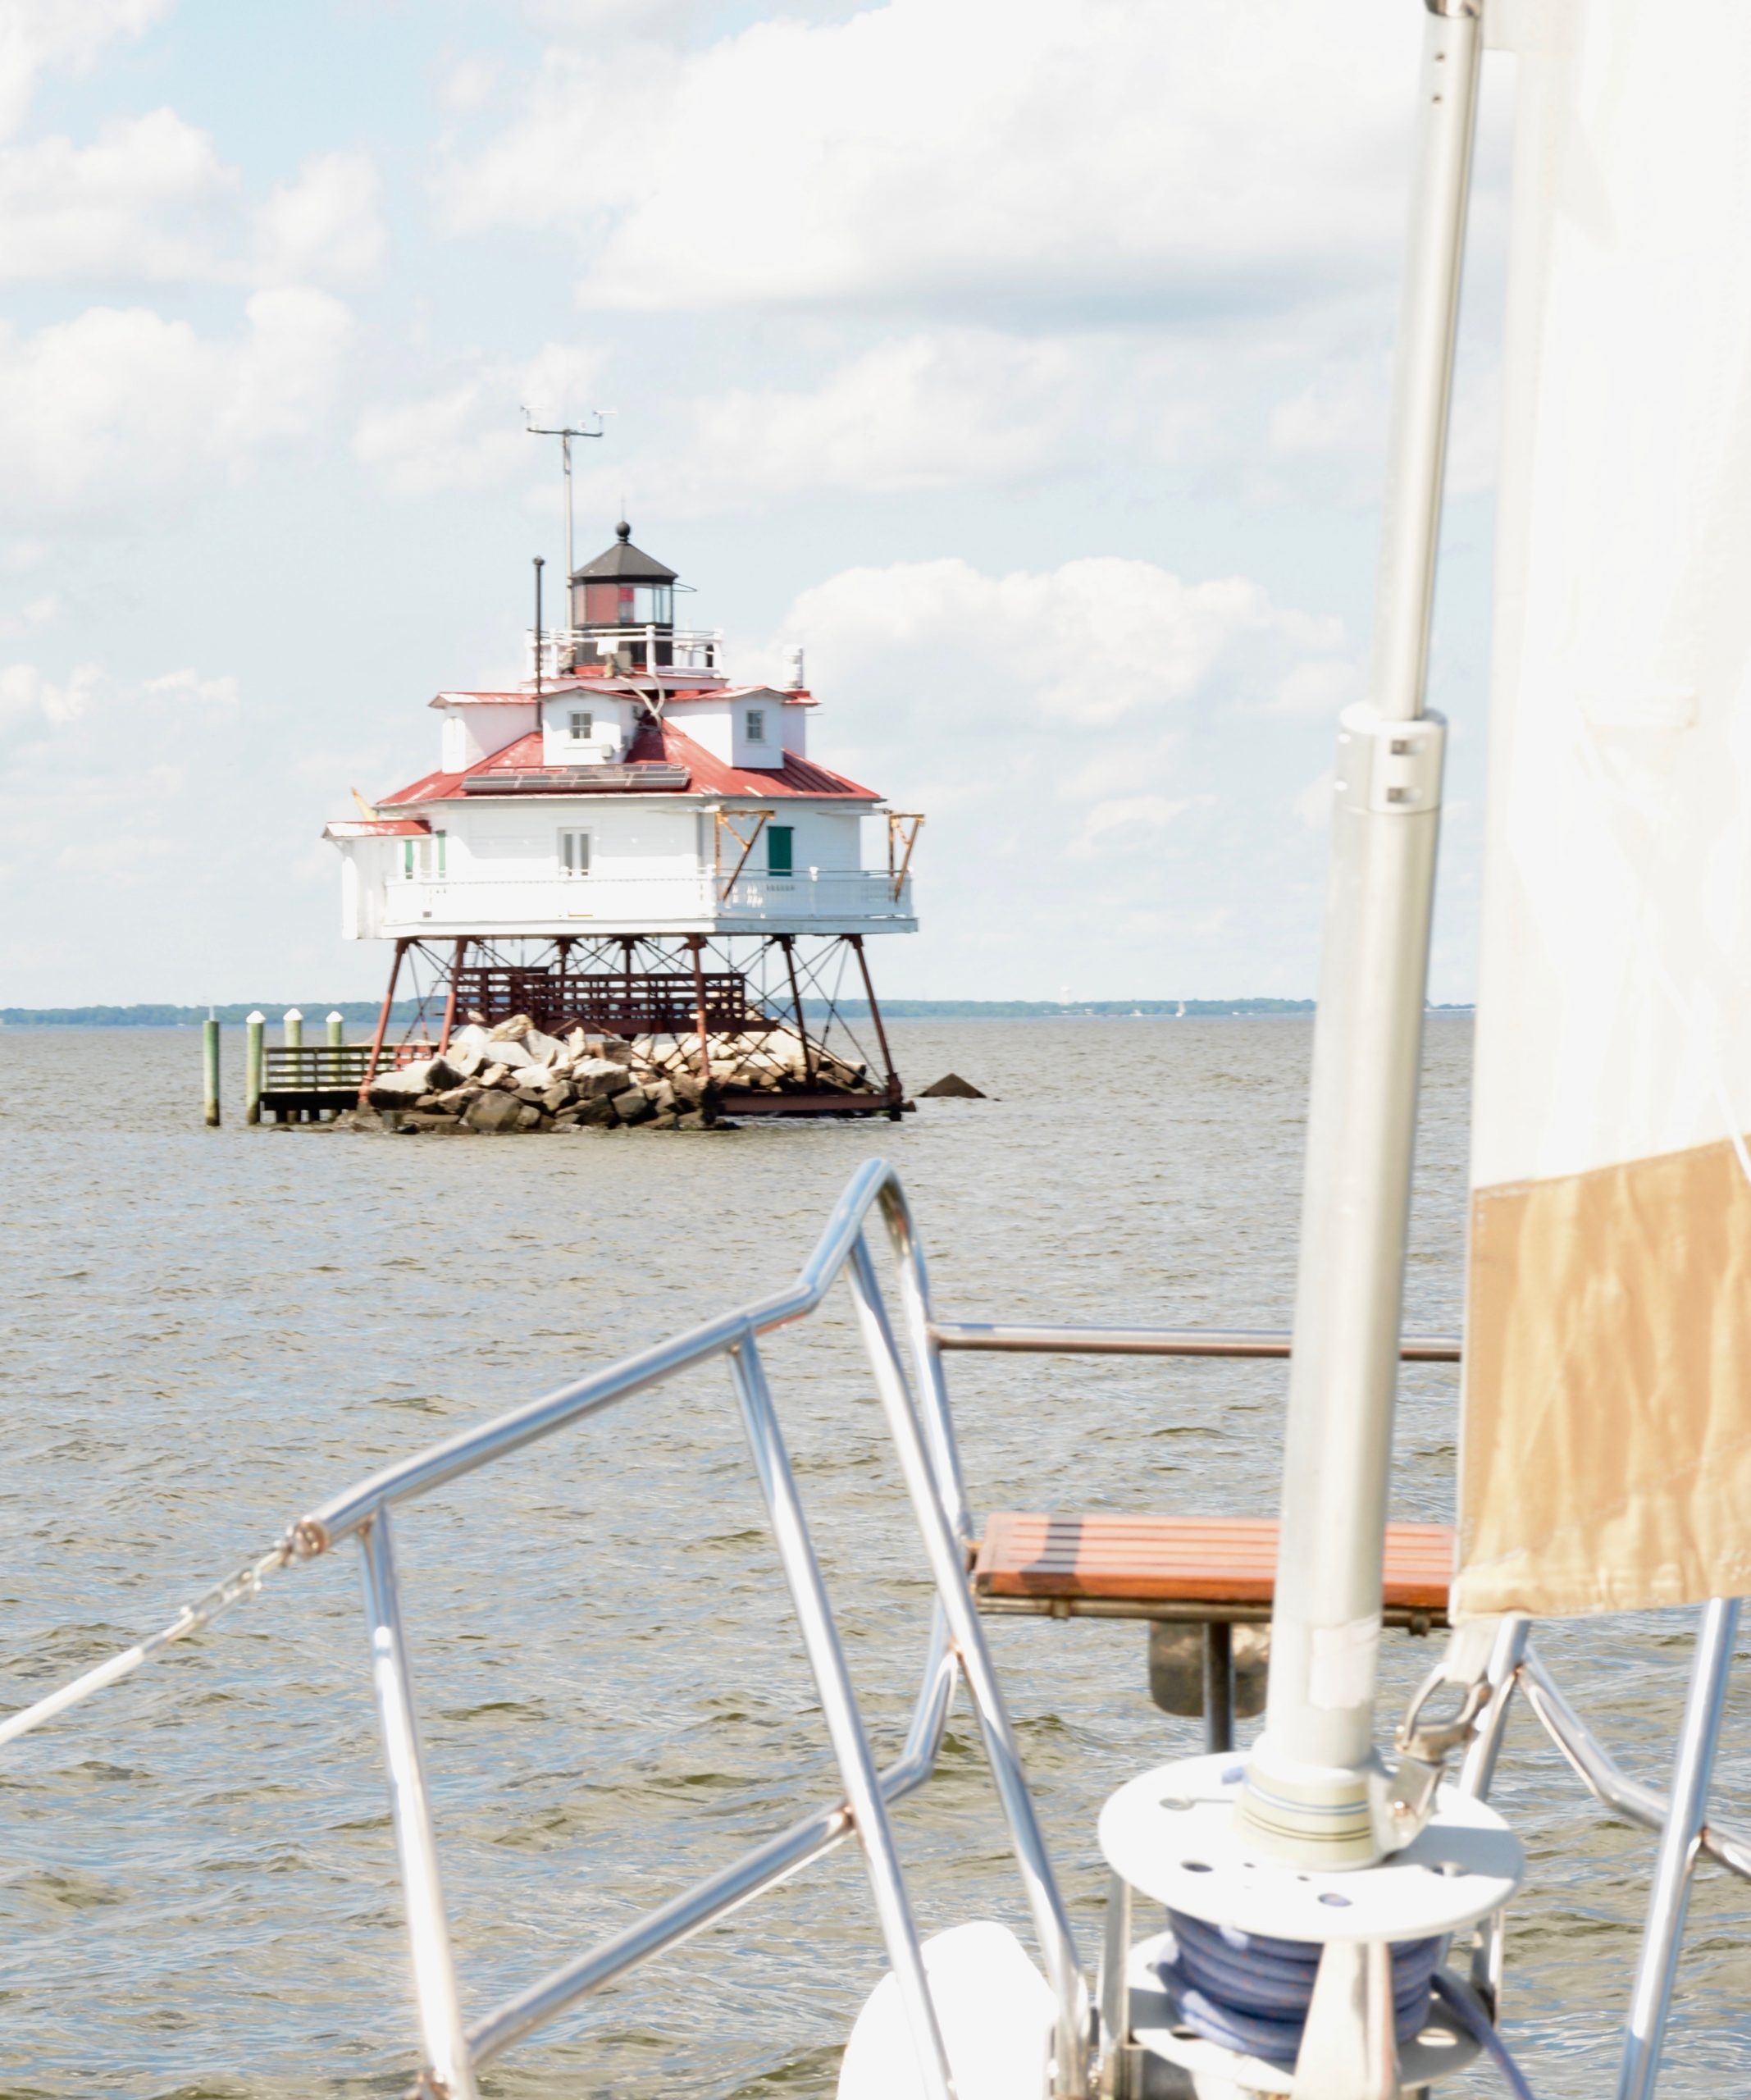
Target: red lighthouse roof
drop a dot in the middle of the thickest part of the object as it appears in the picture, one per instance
(676, 765)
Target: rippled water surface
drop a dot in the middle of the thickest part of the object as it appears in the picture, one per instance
(206, 1332)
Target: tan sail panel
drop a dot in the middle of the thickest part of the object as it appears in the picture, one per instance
(1607, 1462)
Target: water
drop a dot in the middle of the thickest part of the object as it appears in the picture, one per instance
(206, 1333)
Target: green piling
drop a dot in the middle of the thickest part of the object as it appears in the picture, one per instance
(210, 1070)
(293, 1036)
(253, 1029)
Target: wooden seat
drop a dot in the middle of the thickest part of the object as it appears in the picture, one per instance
(1182, 1567)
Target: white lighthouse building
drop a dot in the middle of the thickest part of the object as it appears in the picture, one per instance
(630, 841)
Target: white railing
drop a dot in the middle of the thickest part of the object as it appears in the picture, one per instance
(690, 648)
(647, 901)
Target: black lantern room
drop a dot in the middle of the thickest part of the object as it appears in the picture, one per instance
(623, 604)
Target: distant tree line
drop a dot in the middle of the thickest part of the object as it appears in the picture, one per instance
(367, 1010)
(164, 1016)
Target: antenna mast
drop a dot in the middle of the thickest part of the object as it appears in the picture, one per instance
(565, 433)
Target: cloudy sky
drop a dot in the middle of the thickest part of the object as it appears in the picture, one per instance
(1024, 359)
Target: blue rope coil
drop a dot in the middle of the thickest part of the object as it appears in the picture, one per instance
(1251, 1992)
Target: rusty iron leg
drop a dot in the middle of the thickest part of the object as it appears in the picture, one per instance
(376, 1040)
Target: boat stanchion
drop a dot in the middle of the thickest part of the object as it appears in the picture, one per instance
(1657, 1964)
(1219, 1684)
(446, 2065)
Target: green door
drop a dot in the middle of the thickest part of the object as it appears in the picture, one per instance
(778, 860)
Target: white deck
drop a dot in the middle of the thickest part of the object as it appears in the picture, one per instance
(826, 900)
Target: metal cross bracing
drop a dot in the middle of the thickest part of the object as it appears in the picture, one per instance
(571, 994)
(914, 1405)
(787, 1000)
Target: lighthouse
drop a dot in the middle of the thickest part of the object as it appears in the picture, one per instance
(630, 842)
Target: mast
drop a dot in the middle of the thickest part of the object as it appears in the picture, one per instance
(565, 432)
(1316, 1788)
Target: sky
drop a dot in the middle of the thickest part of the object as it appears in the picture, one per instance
(1027, 363)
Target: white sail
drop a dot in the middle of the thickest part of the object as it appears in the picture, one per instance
(1606, 1451)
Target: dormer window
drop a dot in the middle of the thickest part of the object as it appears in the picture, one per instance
(756, 730)
(582, 726)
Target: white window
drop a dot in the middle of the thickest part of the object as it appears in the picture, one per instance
(574, 852)
(756, 725)
(583, 726)
(418, 856)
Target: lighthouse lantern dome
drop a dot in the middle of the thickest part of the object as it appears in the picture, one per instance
(623, 587)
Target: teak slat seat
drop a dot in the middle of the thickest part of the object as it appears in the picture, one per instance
(1181, 1567)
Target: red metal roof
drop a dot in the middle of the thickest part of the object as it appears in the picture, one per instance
(707, 775)
(711, 776)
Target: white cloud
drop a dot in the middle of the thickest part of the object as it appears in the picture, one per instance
(138, 205)
(325, 227)
(27, 696)
(37, 612)
(468, 435)
(943, 410)
(120, 405)
(31, 701)
(1101, 641)
(1100, 718)
(469, 84)
(147, 850)
(916, 412)
(1095, 155)
(150, 201)
(191, 685)
(950, 409)
(461, 438)
(65, 36)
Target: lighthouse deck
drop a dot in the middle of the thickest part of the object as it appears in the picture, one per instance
(812, 901)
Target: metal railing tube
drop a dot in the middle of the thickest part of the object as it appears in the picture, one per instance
(338, 1519)
(685, 1915)
(948, 1568)
(670, 1925)
(1600, 1773)
(447, 2069)
(915, 1301)
(1657, 1964)
(1155, 1341)
(936, 1694)
(844, 1727)
(1115, 1988)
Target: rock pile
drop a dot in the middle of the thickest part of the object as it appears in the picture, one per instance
(514, 1078)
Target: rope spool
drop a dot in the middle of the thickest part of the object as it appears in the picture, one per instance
(1250, 1992)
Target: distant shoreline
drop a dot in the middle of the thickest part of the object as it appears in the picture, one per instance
(366, 1011)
